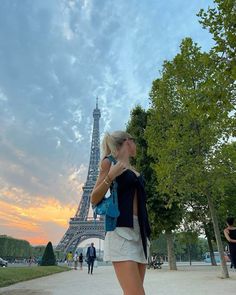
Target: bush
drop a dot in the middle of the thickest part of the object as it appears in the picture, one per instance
(48, 256)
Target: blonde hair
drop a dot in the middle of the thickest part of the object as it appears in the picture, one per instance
(112, 141)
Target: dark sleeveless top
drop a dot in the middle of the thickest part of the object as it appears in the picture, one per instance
(232, 247)
(232, 234)
(128, 182)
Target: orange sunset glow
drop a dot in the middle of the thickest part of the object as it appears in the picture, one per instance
(42, 220)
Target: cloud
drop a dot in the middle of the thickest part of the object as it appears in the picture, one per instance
(56, 57)
(32, 221)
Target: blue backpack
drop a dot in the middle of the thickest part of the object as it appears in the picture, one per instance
(109, 206)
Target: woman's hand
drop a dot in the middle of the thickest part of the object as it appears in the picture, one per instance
(117, 170)
(122, 162)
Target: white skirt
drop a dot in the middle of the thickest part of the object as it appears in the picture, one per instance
(125, 243)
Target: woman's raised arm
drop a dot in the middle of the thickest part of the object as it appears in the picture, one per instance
(102, 184)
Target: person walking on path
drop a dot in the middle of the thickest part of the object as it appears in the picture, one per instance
(81, 260)
(69, 259)
(75, 259)
(91, 256)
(127, 246)
(30, 261)
(230, 235)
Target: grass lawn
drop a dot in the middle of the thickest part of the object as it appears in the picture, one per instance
(12, 275)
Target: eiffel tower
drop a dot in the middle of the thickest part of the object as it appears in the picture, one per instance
(81, 226)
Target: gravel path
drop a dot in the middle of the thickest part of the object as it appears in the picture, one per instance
(196, 280)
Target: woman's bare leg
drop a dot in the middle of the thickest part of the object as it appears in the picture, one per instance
(142, 270)
(128, 275)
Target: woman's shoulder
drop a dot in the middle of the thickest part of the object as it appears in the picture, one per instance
(228, 230)
(105, 163)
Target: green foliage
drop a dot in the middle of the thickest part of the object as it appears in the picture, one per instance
(37, 251)
(137, 126)
(60, 255)
(182, 242)
(189, 119)
(189, 126)
(161, 216)
(159, 246)
(48, 256)
(224, 172)
(11, 248)
(165, 217)
(220, 21)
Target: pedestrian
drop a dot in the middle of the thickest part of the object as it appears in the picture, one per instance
(91, 256)
(81, 260)
(75, 259)
(230, 235)
(69, 259)
(127, 246)
(30, 260)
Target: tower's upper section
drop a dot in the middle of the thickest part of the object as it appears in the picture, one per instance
(96, 112)
(93, 170)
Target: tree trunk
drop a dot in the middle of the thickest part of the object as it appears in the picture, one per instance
(210, 246)
(170, 250)
(189, 254)
(225, 273)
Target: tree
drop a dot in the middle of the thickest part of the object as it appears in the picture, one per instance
(48, 256)
(198, 246)
(38, 251)
(162, 217)
(197, 214)
(188, 238)
(165, 219)
(190, 121)
(159, 246)
(11, 248)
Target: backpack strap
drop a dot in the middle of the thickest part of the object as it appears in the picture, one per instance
(114, 161)
(111, 159)
(110, 222)
(113, 186)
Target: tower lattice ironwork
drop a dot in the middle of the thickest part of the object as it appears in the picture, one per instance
(81, 226)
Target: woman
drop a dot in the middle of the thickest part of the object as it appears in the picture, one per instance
(75, 259)
(69, 259)
(128, 245)
(81, 260)
(230, 235)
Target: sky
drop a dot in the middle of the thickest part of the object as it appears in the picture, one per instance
(56, 57)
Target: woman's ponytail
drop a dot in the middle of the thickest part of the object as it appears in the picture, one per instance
(105, 145)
